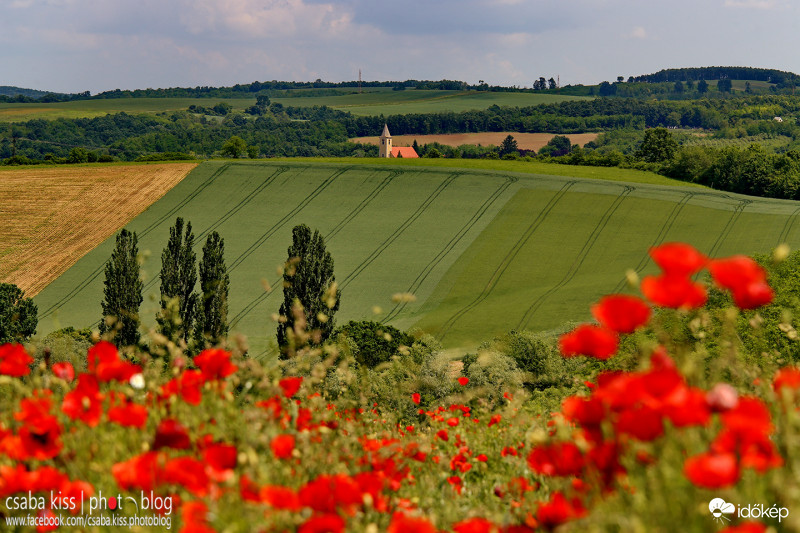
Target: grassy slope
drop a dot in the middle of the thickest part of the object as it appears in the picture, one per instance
(367, 103)
(484, 250)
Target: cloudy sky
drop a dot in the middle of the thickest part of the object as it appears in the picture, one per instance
(97, 45)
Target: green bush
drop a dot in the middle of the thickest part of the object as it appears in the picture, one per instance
(374, 343)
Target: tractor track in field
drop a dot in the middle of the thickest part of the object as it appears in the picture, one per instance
(787, 227)
(576, 265)
(400, 230)
(509, 257)
(276, 226)
(336, 229)
(198, 244)
(737, 212)
(97, 271)
(662, 234)
(398, 308)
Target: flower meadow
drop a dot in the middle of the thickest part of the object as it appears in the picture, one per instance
(672, 418)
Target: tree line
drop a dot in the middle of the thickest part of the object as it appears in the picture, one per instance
(193, 321)
(189, 319)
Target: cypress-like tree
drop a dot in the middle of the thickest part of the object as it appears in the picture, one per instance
(123, 291)
(308, 280)
(211, 323)
(178, 278)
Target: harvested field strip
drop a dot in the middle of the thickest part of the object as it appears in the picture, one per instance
(51, 217)
(525, 141)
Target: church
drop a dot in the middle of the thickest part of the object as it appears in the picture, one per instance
(387, 150)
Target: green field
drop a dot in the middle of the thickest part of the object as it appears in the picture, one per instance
(484, 251)
(372, 102)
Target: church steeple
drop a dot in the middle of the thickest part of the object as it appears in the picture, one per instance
(385, 148)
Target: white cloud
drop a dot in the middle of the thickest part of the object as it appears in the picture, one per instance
(255, 19)
(638, 33)
(751, 4)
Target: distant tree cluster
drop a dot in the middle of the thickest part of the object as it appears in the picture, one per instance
(541, 84)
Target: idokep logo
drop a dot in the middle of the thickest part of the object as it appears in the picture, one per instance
(719, 508)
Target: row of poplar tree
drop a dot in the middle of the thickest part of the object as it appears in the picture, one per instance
(195, 321)
(185, 317)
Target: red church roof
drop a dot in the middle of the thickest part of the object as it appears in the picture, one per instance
(406, 152)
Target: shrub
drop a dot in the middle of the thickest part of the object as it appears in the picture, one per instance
(374, 343)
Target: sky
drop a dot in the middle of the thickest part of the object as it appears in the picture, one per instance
(99, 45)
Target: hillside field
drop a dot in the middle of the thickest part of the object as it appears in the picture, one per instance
(484, 251)
(386, 102)
(51, 216)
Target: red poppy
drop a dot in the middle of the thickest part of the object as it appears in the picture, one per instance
(40, 435)
(755, 450)
(589, 340)
(463, 381)
(457, 483)
(327, 523)
(105, 363)
(746, 279)
(14, 360)
(290, 386)
(642, 423)
(215, 364)
(494, 420)
(326, 493)
(187, 472)
(557, 459)
(558, 510)
(140, 472)
(674, 291)
(452, 422)
(403, 523)
(188, 385)
(787, 377)
(415, 398)
(749, 416)
(678, 258)
(712, 470)
(64, 370)
(475, 525)
(746, 527)
(442, 434)
(736, 272)
(195, 518)
(279, 497)
(85, 401)
(753, 296)
(621, 313)
(127, 413)
(220, 460)
(171, 434)
(282, 446)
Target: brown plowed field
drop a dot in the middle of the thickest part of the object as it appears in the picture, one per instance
(525, 141)
(51, 217)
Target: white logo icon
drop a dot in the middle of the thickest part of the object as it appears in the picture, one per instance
(719, 508)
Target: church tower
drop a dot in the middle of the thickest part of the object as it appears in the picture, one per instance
(385, 149)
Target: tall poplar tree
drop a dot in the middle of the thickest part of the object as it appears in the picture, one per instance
(123, 291)
(178, 278)
(211, 323)
(308, 280)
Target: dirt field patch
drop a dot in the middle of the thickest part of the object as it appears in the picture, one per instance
(50, 217)
(525, 141)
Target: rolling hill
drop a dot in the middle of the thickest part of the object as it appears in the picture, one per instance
(484, 251)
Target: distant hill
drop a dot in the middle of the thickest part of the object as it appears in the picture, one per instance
(8, 90)
(778, 77)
